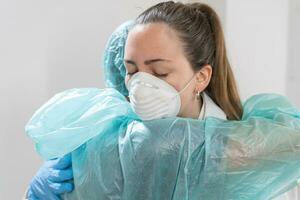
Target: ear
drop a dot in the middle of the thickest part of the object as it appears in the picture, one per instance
(203, 77)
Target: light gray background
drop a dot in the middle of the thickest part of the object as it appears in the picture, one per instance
(49, 46)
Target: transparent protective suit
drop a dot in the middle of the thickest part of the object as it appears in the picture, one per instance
(116, 155)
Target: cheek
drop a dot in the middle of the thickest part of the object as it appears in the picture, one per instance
(176, 82)
(172, 80)
(176, 86)
(173, 83)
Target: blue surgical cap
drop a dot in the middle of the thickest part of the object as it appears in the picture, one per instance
(113, 65)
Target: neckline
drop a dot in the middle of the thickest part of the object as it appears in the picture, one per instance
(203, 107)
(210, 108)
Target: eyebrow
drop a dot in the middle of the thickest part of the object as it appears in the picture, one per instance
(148, 62)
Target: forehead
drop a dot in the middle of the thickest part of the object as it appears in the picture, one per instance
(152, 40)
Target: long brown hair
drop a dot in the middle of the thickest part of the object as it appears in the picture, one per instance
(199, 28)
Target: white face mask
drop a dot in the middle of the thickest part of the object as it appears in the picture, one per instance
(153, 98)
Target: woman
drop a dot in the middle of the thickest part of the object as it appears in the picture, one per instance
(180, 49)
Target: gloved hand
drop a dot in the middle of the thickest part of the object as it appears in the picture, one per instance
(52, 179)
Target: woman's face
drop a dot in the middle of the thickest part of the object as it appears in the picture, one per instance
(156, 49)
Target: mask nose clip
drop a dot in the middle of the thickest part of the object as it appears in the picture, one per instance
(147, 84)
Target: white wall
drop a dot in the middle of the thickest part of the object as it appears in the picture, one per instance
(293, 67)
(257, 36)
(22, 89)
(49, 46)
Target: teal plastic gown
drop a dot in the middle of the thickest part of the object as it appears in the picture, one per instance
(115, 155)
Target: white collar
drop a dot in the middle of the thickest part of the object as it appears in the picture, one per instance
(210, 108)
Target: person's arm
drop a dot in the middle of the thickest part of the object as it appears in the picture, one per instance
(270, 129)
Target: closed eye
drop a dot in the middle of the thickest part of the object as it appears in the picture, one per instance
(161, 75)
(155, 74)
(130, 73)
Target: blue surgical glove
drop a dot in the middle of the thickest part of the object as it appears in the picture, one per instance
(52, 179)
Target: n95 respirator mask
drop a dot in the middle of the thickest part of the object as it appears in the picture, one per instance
(153, 98)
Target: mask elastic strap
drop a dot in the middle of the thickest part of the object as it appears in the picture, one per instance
(187, 84)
